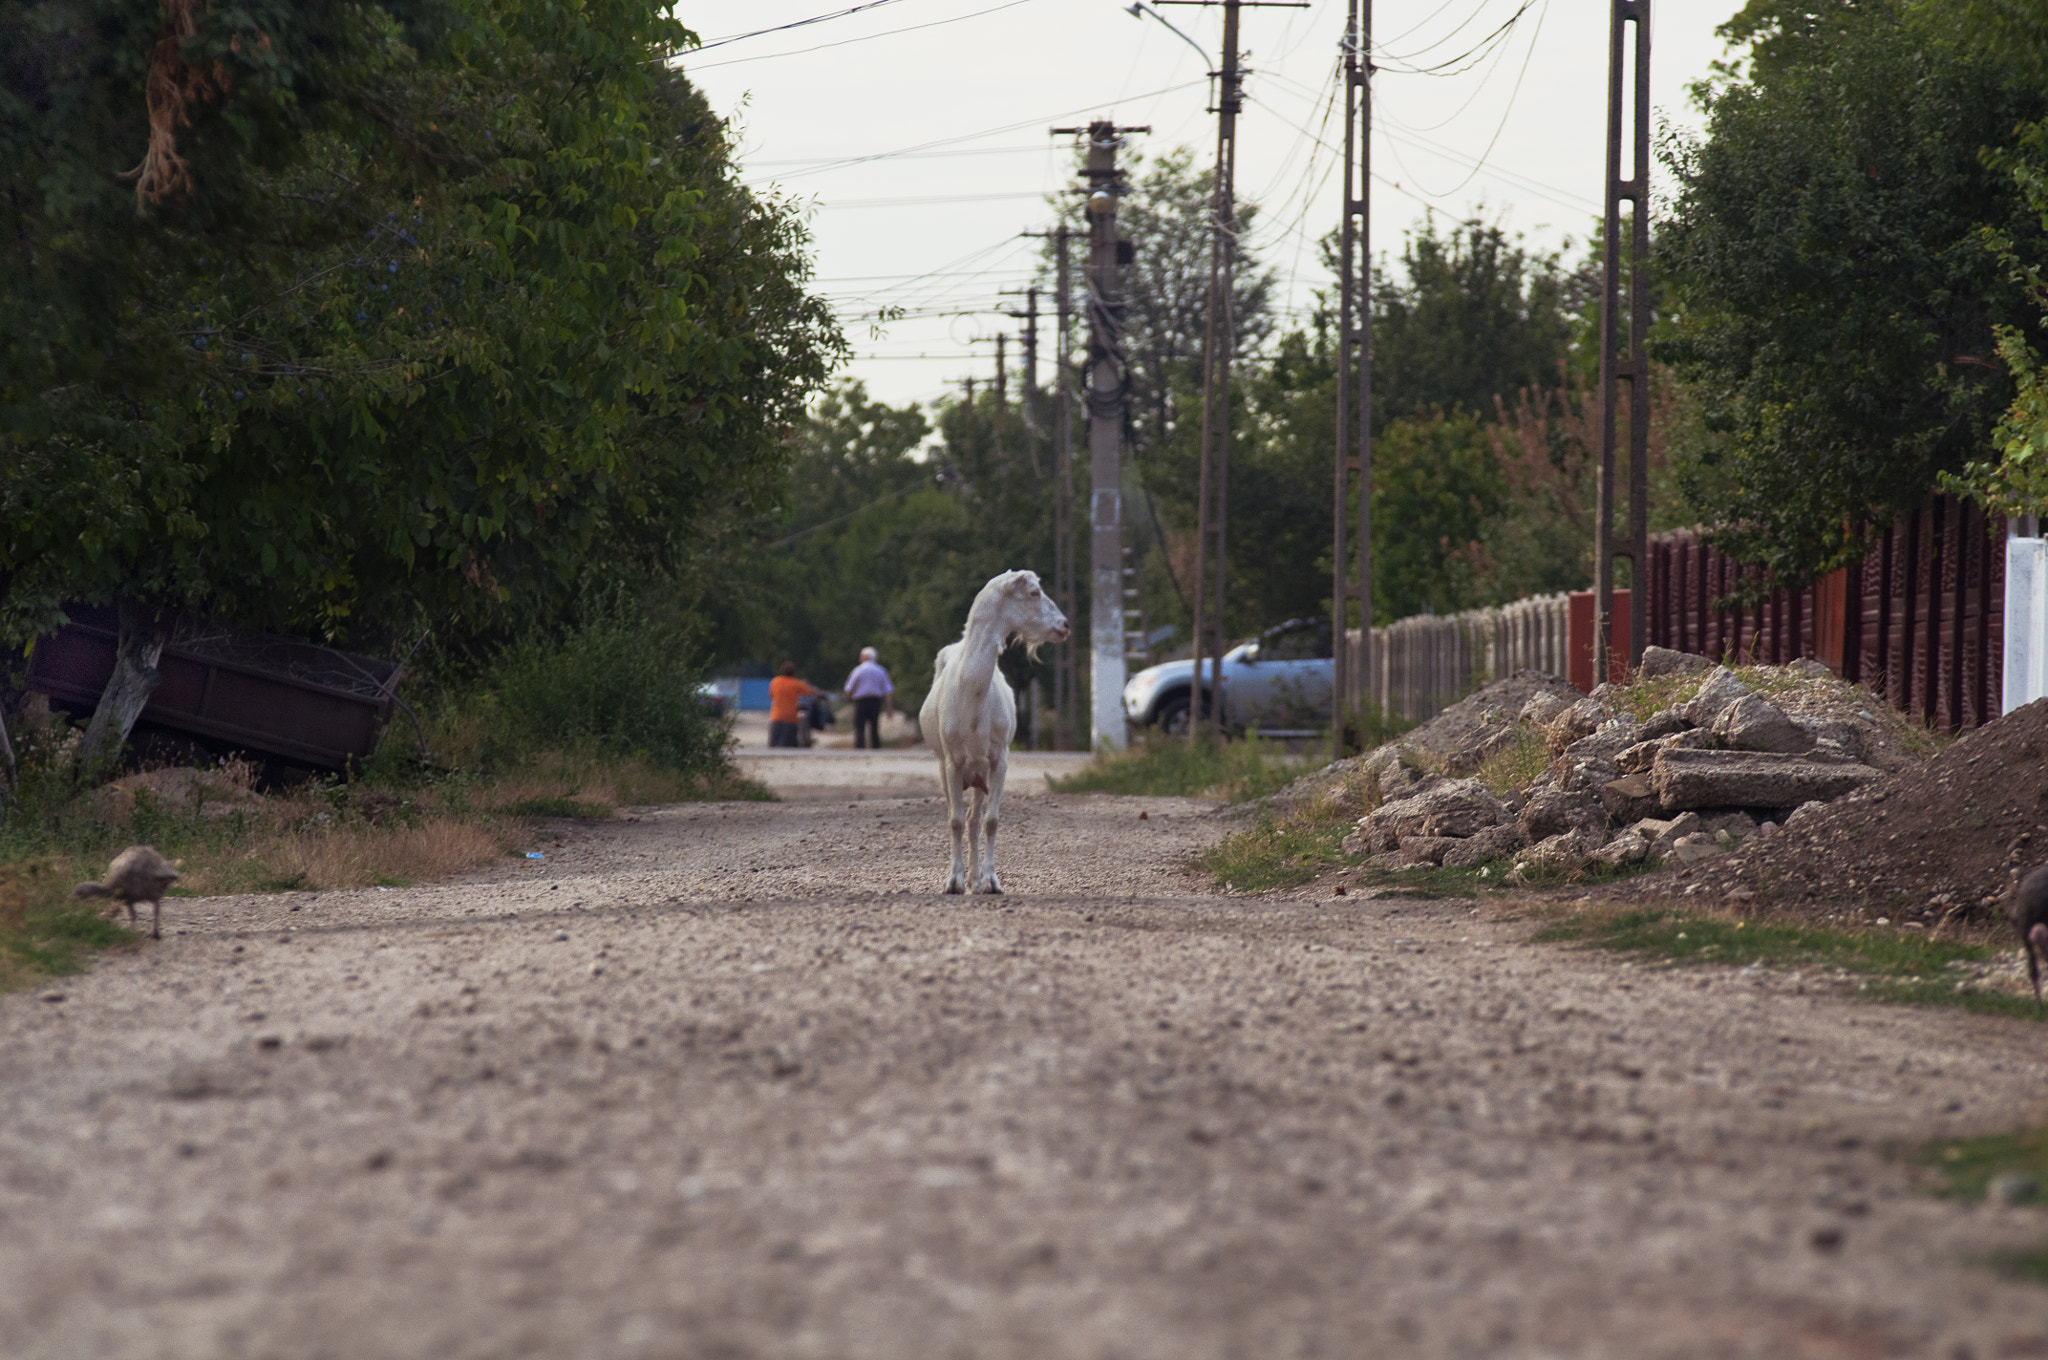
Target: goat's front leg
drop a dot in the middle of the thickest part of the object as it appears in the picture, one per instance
(976, 800)
(956, 813)
(985, 875)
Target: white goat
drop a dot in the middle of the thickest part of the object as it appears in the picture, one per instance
(970, 717)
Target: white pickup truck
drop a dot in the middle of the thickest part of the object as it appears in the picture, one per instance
(1279, 683)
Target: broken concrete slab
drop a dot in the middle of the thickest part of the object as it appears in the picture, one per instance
(1727, 779)
(1495, 842)
(1629, 798)
(1754, 723)
(1717, 694)
(1556, 811)
(1662, 661)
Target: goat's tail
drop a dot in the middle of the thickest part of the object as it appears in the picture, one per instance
(91, 890)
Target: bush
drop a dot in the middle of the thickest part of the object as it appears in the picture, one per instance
(617, 684)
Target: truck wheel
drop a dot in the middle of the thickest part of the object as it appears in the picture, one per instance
(1173, 716)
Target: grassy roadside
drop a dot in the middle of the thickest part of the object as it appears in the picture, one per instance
(2008, 1167)
(1896, 967)
(1163, 767)
(229, 836)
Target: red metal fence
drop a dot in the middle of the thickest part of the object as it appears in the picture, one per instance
(1920, 620)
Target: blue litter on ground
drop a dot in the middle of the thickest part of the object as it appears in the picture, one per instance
(535, 854)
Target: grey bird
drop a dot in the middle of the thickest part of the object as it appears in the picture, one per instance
(2030, 918)
(138, 874)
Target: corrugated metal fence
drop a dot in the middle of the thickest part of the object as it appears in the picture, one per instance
(1920, 620)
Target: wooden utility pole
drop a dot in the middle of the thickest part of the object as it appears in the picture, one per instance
(1106, 392)
(1034, 418)
(1213, 481)
(1348, 691)
(1634, 369)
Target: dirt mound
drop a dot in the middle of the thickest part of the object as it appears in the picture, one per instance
(1943, 838)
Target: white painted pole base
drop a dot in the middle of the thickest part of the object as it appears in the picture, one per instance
(2026, 621)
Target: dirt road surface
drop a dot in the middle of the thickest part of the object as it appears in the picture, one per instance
(733, 1081)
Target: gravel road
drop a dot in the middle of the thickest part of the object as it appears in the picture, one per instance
(733, 1081)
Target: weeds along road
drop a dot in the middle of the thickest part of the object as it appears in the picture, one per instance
(732, 1081)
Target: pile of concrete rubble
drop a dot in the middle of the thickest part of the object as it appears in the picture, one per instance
(1687, 783)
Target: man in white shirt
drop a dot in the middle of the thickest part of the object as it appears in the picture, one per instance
(872, 695)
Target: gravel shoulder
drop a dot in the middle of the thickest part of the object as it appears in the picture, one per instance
(733, 1080)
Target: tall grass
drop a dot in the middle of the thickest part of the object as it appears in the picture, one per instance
(1168, 767)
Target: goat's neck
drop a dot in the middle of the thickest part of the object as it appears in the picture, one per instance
(980, 645)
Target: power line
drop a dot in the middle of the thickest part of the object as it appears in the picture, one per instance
(920, 201)
(800, 23)
(1505, 113)
(914, 155)
(985, 132)
(848, 42)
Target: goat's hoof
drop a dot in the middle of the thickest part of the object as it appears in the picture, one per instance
(955, 888)
(992, 888)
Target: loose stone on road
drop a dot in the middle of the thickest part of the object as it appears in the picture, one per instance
(733, 1080)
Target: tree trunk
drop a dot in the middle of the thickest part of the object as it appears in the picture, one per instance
(7, 770)
(144, 631)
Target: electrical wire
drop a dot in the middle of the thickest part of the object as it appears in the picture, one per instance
(800, 23)
(848, 42)
(1507, 112)
(975, 136)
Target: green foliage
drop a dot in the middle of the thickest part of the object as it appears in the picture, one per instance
(500, 315)
(617, 683)
(1162, 767)
(1834, 302)
(1471, 316)
(1436, 490)
(2016, 481)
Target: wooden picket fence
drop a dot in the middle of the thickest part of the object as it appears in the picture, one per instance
(1420, 666)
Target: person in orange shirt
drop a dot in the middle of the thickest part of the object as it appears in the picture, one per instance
(784, 721)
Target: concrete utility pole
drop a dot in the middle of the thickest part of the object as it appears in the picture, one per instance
(1107, 394)
(1354, 381)
(1002, 375)
(1213, 482)
(1635, 368)
(1064, 687)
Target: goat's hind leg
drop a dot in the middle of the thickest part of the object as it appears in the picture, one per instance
(956, 813)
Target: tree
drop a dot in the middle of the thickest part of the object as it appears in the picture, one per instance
(558, 337)
(1834, 303)
(1469, 316)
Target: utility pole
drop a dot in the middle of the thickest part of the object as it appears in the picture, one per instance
(1106, 398)
(1002, 377)
(1034, 421)
(1634, 369)
(1354, 382)
(1064, 687)
(1213, 482)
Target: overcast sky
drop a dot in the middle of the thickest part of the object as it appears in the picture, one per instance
(918, 130)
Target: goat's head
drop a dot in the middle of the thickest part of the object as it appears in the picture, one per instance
(1027, 612)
